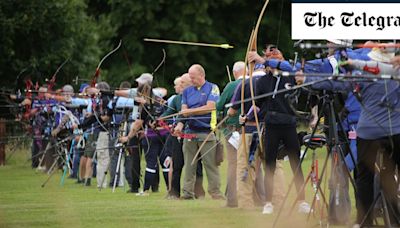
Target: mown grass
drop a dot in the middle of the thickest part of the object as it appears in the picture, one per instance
(24, 203)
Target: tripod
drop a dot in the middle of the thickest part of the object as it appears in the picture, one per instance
(333, 148)
(61, 151)
(119, 146)
(381, 164)
(121, 151)
(317, 141)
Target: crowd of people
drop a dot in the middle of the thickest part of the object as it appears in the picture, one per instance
(107, 132)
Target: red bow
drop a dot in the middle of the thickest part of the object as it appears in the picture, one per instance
(164, 125)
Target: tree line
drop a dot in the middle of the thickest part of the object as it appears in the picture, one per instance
(39, 35)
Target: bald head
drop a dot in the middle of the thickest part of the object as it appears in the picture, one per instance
(197, 75)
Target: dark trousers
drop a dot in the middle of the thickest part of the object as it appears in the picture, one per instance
(75, 163)
(2, 142)
(132, 165)
(36, 149)
(153, 149)
(174, 147)
(2, 154)
(114, 154)
(274, 135)
(367, 155)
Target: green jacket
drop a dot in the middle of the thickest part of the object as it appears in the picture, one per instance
(224, 99)
(175, 106)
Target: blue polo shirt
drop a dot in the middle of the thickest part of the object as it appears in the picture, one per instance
(195, 97)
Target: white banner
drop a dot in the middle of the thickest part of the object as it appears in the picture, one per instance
(320, 21)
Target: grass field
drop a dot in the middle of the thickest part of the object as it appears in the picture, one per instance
(24, 203)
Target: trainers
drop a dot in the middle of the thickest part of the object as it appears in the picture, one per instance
(304, 207)
(268, 208)
(141, 193)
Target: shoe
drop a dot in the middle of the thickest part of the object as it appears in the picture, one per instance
(87, 182)
(72, 177)
(356, 225)
(230, 206)
(171, 197)
(187, 197)
(217, 197)
(201, 197)
(145, 193)
(268, 208)
(304, 208)
(79, 181)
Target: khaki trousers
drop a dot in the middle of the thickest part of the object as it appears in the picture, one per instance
(231, 182)
(103, 158)
(248, 195)
(189, 150)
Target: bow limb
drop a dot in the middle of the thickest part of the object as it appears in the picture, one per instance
(253, 47)
(161, 63)
(206, 139)
(52, 81)
(97, 72)
(242, 111)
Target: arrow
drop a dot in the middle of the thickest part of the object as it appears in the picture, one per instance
(224, 46)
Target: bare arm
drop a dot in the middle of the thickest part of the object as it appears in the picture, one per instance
(134, 129)
(199, 110)
(131, 93)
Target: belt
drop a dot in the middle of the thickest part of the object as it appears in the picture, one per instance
(254, 124)
(232, 128)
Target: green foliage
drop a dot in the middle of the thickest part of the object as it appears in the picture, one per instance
(198, 21)
(44, 35)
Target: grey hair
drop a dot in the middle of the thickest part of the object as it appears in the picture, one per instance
(68, 89)
(238, 66)
(103, 86)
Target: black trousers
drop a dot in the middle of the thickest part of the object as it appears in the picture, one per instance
(367, 156)
(175, 147)
(274, 135)
(132, 164)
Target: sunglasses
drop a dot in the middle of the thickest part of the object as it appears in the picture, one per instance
(269, 48)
